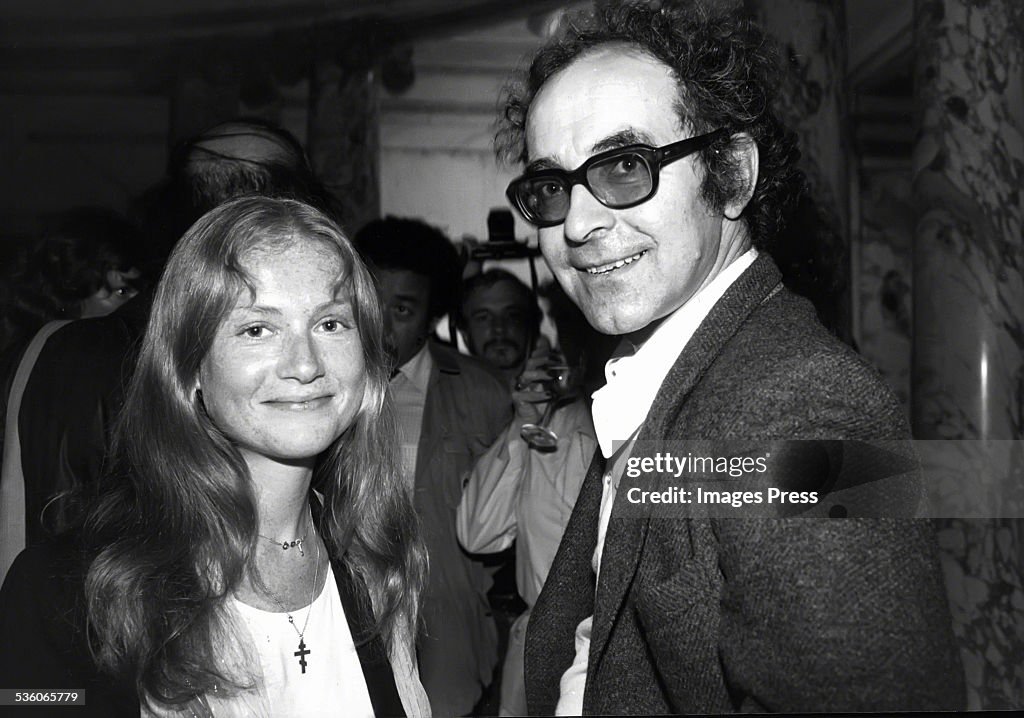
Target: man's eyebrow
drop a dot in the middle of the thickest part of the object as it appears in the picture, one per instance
(539, 165)
(409, 298)
(622, 138)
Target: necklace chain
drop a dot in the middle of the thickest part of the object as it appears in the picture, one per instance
(295, 543)
(302, 652)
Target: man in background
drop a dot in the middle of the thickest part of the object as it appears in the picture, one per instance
(516, 494)
(450, 408)
(499, 320)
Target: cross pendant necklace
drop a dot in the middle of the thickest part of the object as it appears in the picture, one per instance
(303, 651)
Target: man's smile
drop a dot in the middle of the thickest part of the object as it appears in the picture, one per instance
(612, 266)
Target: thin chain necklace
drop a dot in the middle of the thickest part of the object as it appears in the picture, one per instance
(303, 651)
(297, 543)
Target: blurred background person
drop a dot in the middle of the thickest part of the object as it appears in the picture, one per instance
(85, 265)
(450, 408)
(209, 578)
(499, 320)
(520, 495)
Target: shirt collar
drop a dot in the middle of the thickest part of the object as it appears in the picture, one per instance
(634, 378)
(417, 370)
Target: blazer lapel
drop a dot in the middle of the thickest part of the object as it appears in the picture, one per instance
(625, 537)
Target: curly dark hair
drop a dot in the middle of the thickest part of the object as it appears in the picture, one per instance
(726, 71)
(414, 245)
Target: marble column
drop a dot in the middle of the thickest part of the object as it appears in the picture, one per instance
(815, 254)
(343, 139)
(968, 295)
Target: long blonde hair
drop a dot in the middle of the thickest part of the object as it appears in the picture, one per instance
(176, 525)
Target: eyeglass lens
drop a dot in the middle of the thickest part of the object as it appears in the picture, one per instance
(616, 181)
(621, 179)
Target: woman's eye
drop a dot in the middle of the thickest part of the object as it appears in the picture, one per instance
(331, 325)
(255, 332)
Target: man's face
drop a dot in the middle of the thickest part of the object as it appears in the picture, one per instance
(498, 323)
(624, 268)
(405, 299)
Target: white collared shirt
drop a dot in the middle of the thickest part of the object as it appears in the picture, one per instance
(620, 408)
(632, 382)
(409, 393)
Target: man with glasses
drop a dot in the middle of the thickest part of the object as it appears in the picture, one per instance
(657, 174)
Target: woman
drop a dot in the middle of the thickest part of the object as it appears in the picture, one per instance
(217, 581)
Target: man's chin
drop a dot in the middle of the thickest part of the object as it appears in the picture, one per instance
(614, 322)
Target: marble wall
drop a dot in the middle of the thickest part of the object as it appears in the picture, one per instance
(885, 275)
(968, 292)
(815, 259)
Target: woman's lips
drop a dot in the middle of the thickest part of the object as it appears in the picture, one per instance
(300, 404)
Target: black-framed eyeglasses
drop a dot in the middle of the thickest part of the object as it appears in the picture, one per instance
(619, 178)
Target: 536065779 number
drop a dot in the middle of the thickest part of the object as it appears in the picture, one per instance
(59, 696)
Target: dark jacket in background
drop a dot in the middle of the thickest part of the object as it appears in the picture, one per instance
(72, 396)
(467, 406)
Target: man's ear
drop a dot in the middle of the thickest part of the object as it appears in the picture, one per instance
(745, 159)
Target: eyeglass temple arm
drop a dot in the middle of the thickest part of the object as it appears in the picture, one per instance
(691, 145)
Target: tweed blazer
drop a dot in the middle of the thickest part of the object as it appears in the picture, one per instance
(704, 615)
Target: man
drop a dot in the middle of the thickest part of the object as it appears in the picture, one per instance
(76, 386)
(499, 320)
(450, 408)
(657, 173)
(515, 493)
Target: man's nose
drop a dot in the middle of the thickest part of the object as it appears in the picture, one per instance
(301, 359)
(499, 326)
(585, 215)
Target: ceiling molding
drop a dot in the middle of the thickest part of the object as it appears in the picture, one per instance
(25, 28)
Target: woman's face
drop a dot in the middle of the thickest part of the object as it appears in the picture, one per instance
(285, 375)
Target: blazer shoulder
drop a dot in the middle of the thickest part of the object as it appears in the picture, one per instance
(783, 371)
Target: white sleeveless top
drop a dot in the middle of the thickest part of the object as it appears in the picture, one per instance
(333, 676)
(332, 685)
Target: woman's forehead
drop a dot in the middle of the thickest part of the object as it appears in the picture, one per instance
(299, 269)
